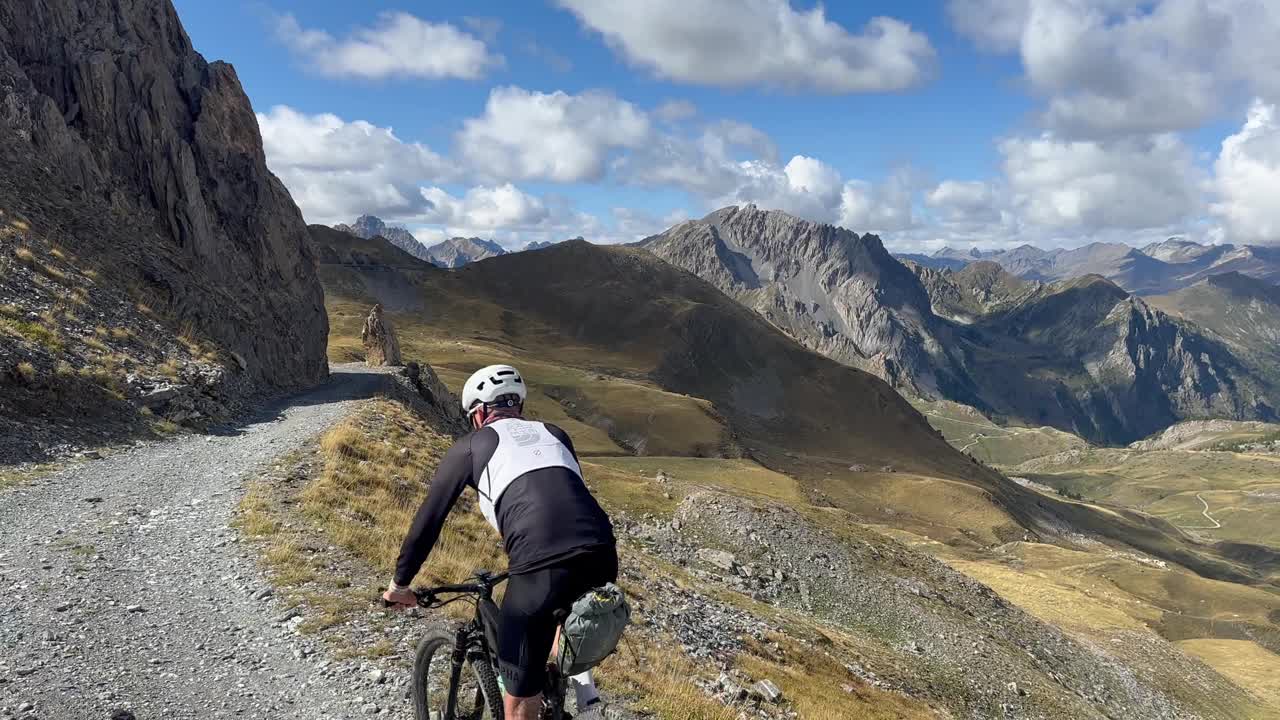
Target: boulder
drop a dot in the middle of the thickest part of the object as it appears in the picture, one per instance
(381, 347)
(718, 558)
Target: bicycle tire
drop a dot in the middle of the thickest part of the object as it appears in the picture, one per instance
(438, 647)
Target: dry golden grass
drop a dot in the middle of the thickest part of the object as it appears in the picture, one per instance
(658, 675)
(28, 258)
(27, 372)
(93, 342)
(815, 685)
(1245, 663)
(376, 468)
(745, 476)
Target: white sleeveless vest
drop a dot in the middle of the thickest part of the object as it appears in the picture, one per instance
(523, 446)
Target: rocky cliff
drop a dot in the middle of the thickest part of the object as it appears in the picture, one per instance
(836, 292)
(1081, 355)
(370, 226)
(146, 164)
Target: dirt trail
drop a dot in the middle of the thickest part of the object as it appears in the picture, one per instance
(1216, 525)
(124, 587)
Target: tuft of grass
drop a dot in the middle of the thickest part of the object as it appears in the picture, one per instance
(34, 332)
(28, 258)
(27, 372)
(121, 334)
(93, 342)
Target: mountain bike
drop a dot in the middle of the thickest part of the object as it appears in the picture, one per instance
(455, 674)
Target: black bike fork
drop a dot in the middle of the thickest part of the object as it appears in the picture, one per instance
(455, 675)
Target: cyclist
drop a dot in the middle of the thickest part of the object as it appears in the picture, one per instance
(558, 540)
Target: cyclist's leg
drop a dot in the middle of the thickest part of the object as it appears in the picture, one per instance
(525, 635)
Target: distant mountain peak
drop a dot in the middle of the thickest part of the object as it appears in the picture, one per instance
(370, 226)
(458, 251)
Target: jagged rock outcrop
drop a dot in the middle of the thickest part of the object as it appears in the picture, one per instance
(381, 346)
(459, 251)
(835, 291)
(1083, 355)
(146, 163)
(974, 290)
(370, 226)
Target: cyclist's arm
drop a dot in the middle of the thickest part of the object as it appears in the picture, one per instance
(451, 478)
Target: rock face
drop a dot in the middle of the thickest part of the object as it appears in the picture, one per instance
(459, 251)
(973, 291)
(381, 347)
(835, 291)
(369, 226)
(148, 162)
(1082, 355)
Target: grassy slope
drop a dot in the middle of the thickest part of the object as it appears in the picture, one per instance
(362, 496)
(463, 319)
(1243, 491)
(971, 432)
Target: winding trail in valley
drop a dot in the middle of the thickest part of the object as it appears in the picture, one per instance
(124, 586)
(1216, 525)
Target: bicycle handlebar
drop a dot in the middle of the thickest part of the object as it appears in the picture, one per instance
(427, 596)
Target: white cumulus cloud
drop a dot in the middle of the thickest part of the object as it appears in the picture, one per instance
(398, 45)
(1090, 185)
(1247, 178)
(485, 208)
(556, 136)
(736, 43)
(337, 170)
(1127, 67)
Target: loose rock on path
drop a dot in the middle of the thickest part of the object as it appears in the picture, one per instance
(125, 593)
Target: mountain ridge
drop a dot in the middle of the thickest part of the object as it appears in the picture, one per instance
(982, 337)
(1157, 268)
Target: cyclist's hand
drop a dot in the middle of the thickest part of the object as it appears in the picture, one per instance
(400, 599)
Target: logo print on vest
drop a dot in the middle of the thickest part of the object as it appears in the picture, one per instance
(525, 434)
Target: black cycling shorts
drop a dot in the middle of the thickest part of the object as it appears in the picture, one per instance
(527, 628)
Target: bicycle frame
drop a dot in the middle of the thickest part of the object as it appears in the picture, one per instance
(475, 637)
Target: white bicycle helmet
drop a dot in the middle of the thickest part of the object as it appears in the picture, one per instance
(490, 383)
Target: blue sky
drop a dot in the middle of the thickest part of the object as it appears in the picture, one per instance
(970, 122)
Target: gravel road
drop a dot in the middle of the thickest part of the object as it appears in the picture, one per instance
(124, 588)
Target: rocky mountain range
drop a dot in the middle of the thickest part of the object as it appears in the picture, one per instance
(1082, 355)
(1158, 268)
(1241, 310)
(108, 105)
(452, 253)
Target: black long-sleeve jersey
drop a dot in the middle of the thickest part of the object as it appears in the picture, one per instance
(545, 516)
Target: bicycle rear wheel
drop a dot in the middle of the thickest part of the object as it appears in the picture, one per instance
(477, 689)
